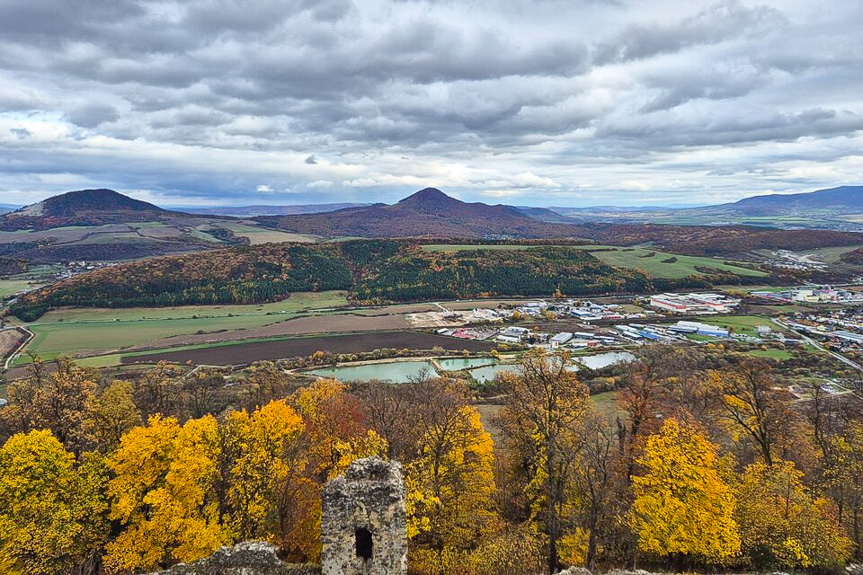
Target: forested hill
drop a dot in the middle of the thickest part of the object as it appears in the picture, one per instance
(372, 270)
(431, 213)
(82, 207)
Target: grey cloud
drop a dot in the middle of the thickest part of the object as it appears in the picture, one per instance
(21, 133)
(92, 115)
(591, 88)
(722, 21)
(663, 132)
(49, 21)
(711, 84)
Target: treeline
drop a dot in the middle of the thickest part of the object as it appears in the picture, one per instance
(372, 270)
(713, 241)
(11, 266)
(419, 274)
(239, 275)
(704, 463)
(854, 257)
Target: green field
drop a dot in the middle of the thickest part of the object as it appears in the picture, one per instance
(639, 258)
(258, 235)
(779, 354)
(8, 288)
(77, 330)
(636, 258)
(744, 324)
(830, 255)
(606, 404)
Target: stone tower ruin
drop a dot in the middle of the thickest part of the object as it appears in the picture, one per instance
(364, 523)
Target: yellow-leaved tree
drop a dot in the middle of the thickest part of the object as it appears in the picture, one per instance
(52, 515)
(545, 405)
(454, 475)
(782, 524)
(56, 401)
(164, 493)
(334, 435)
(111, 415)
(335, 427)
(683, 507)
(267, 460)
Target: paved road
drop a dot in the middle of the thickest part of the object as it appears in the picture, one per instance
(17, 352)
(819, 347)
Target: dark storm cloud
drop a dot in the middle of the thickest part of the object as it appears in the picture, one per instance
(219, 98)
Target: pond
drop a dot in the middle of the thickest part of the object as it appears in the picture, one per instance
(394, 372)
(605, 359)
(459, 363)
(487, 373)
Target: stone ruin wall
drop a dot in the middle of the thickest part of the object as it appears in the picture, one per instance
(364, 521)
(363, 531)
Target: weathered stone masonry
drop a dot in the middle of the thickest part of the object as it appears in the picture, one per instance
(364, 524)
(363, 531)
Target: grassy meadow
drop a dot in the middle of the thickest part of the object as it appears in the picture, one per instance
(78, 330)
(634, 258)
(8, 288)
(640, 258)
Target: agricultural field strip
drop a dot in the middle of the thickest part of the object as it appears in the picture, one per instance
(739, 324)
(110, 233)
(243, 352)
(8, 288)
(296, 303)
(683, 266)
(99, 330)
(81, 234)
(625, 257)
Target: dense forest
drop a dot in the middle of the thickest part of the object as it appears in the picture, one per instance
(703, 462)
(374, 271)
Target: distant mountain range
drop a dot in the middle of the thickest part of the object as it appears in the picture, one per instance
(832, 209)
(834, 200)
(267, 210)
(836, 208)
(429, 213)
(106, 225)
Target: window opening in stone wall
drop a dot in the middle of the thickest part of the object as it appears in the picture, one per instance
(364, 543)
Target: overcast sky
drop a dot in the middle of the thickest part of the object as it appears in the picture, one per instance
(528, 102)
